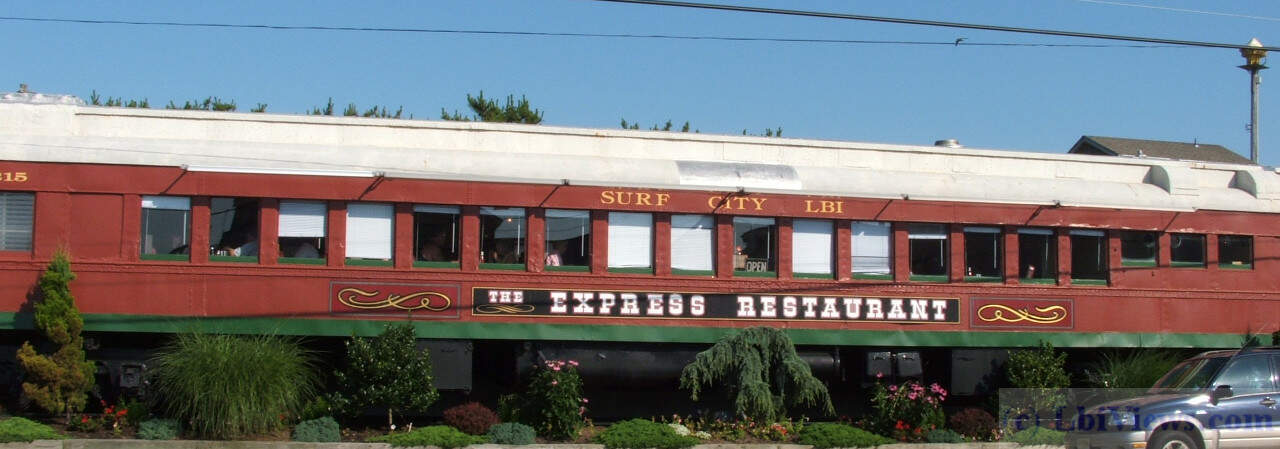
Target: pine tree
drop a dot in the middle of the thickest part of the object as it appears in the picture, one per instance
(763, 373)
(387, 371)
(57, 382)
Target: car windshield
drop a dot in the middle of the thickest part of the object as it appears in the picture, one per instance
(1192, 374)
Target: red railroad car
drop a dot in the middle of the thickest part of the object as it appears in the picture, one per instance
(631, 248)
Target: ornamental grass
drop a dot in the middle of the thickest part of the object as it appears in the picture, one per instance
(226, 386)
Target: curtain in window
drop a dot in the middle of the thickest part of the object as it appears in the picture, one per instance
(369, 230)
(871, 247)
(302, 218)
(811, 246)
(630, 240)
(692, 242)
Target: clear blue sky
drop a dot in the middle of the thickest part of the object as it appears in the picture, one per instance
(1022, 98)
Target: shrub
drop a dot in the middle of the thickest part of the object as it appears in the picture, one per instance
(58, 382)
(553, 404)
(1041, 371)
(906, 412)
(444, 437)
(225, 386)
(1038, 436)
(943, 436)
(1139, 368)
(159, 429)
(472, 418)
(388, 371)
(25, 431)
(641, 433)
(759, 365)
(829, 435)
(317, 407)
(511, 433)
(319, 430)
(974, 423)
(135, 410)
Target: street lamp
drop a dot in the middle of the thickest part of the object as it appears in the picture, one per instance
(1253, 56)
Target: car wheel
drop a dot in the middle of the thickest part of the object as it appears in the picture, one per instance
(1173, 440)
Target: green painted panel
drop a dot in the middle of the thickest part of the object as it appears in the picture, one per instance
(235, 259)
(663, 334)
(430, 264)
(166, 257)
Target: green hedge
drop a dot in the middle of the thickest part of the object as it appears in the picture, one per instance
(643, 434)
(22, 430)
(829, 435)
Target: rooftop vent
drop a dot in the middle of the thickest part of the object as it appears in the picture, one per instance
(948, 143)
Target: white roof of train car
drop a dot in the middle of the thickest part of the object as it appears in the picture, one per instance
(62, 131)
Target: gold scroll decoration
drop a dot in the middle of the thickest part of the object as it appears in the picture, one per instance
(359, 299)
(491, 309)
(1038, 315)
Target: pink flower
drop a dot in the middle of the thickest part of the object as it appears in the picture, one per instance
(911, 396)
(879, 375)
(573, 363)
(582, 410)
(555, 382)
(584, 401)
(555, 368)
(893, 388)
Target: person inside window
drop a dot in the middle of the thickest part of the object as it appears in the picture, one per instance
(554, 254)
(250, 246)
(434, 248)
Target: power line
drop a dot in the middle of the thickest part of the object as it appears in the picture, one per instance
(1192, 11)
(568, 34)
(935, 23)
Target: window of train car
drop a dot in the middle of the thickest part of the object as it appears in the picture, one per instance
(1138, 248)
(17, 213)
(568, 240)
(502, 238)
(303, 232)
(693, 245)
(755, 250)
(872, 249)
(928, 252)
(1187, 250)
(233, 230)
(812, 244)
(435, 236)
(983, 254)
(370, 234)
(1235, 252)
(1088, 257)
(166, 228)
(1037, 256)
(630, 242)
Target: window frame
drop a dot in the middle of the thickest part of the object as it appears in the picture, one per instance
(798, 254)
(1048, 275)
(298, 219)
(585, 243)
(165, 203)
(703, 224)
(1148, 262)
(6, 215)
(614, 242)
(1222, 238)
(235, 255)
(1176, 239)
(1103, 252)
(521, 260)
(373, 217)
(771, 246)
(455, 231)
(926, 232)
(997, 237)
(857, 235)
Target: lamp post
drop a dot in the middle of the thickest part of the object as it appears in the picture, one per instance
(1253, 55)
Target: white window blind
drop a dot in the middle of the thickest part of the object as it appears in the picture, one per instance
(927, 232)
(433, 209)
(811, 246)
(871, 247)
(166, 202)
(1088, 233)
(630, 240)
(302, 218)
(17, 213)
(369, 230)
(692, 242)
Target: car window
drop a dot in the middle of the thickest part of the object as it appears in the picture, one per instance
(1191, 374)
(1247, 375)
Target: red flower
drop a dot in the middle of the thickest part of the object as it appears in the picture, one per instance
(84, 418)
